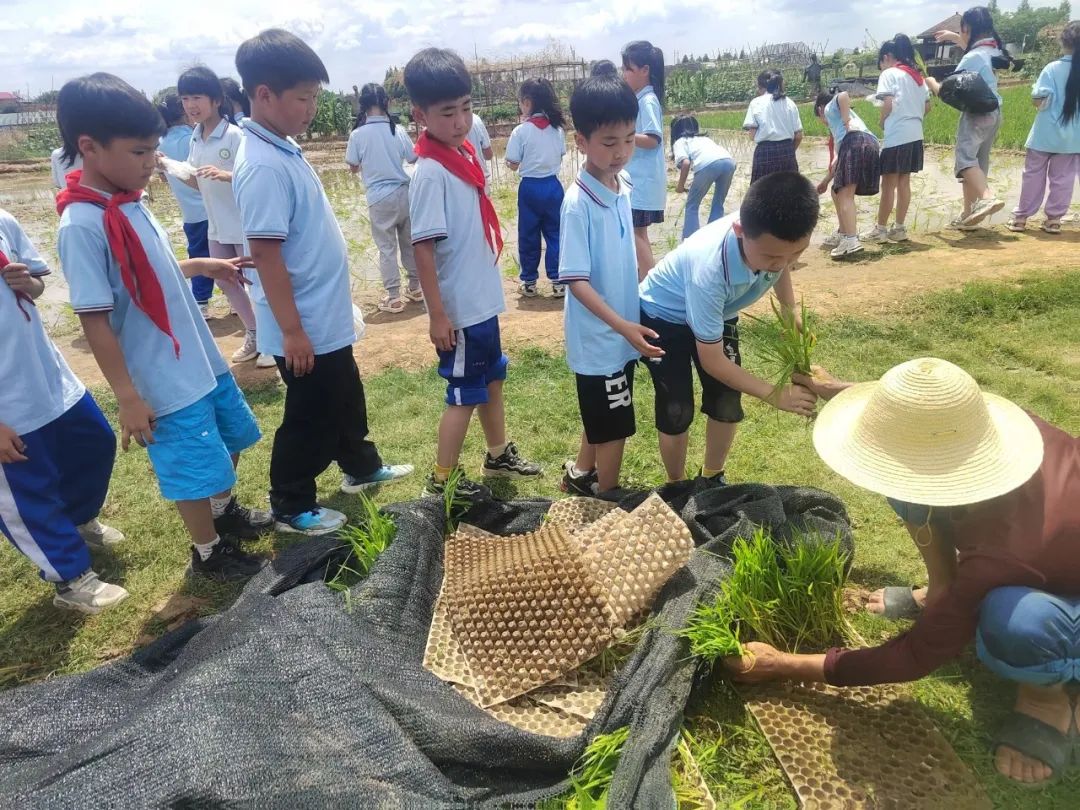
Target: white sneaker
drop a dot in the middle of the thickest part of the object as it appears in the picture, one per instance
(88, 594)
(558, 290)
(898, 233)
(983, 209)
(97, 534)
(848, 245)
(247, 351)
(957, 224)
(265, 361)
(528, 289)
(832, 240)
(876, 235)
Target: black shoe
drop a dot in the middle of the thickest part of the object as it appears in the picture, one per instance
(718, 478)
(227, 563)
(510, 464)
(584, 484)
(242, 523)
(466, 488)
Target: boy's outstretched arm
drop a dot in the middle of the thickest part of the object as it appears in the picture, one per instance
(136, 416)
(792, 398)
(635, 333)
(299, 353)
(440, 328)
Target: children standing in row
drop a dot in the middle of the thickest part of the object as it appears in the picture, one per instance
(457, 240)
(773, 123)
(535, 150)
(643, 70)
(604, 336)
(377, 149)
(713, 168)
(1053, 145)
(302, 294)
(854, 168)
(173, 388)
(176, 144)
(56, 448)
(905, 101)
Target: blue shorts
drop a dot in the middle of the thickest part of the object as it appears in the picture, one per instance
(193, 447)
(919, 515)
(476, 361)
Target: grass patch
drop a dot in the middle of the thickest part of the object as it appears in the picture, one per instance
(1019, 339)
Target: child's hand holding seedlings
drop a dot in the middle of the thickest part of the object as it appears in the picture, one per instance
(11, 446)
(794, 398)
(820, 382)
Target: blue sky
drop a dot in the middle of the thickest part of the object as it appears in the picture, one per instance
(148, 43)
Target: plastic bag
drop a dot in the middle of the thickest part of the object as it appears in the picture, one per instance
(968, 92)
(178, 168)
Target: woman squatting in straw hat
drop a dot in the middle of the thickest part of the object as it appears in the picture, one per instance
(991, 497)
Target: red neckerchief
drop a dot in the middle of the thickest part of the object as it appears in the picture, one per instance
(912, 72)
(20, 296)
(136, 272)
(539, 121)
(984, 43)
(465, 168)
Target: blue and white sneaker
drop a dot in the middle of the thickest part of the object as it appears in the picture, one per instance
(384, 475)
(319, 520)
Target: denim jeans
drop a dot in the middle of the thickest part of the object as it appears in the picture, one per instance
(718, 174)
(1030, 636)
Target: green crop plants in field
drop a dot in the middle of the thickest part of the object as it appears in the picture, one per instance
(454, 504)
(365, 541)
(782, 345)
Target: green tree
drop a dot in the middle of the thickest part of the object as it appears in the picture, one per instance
(1026, 22)
(159, 96)
(48, 97)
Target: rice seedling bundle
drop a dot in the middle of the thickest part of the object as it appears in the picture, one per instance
(785, 348)
(365, 541)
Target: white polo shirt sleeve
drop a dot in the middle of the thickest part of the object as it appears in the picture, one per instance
(353, 154)
(682, 153)
(705, 301)
(84, 256)
(19, 247)
(887, 84)
(793, 116)
(265, 201)
(427, 205)
(408, 148)
(575, 260)
(515, 147)
(750, 121)
(651, 117)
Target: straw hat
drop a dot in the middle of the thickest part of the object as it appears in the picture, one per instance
(925, 434)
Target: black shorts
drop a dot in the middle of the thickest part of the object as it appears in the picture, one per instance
(904, 159)
(607, 405)
(643, 219)
(674, 381)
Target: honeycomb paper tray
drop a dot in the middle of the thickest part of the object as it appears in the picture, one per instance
(861, 747)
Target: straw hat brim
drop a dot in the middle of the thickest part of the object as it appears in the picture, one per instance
(924, 476)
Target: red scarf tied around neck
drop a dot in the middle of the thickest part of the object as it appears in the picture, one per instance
(136, 272)
(465, 167)
(539, 121)
(20, 296)
(912, 72)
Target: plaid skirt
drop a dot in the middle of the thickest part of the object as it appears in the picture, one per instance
(907, 158)
(858, 164)
(773, 156)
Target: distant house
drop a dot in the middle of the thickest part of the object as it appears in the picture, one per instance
(940, 51)
(10, 98)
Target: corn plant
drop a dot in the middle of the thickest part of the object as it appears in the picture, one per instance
(365, 541)
(784, 347)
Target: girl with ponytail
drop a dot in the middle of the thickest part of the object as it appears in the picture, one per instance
(772, 122)
(643, 70)
(1053, 145)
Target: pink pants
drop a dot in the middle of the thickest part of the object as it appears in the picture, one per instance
(1040, 170)
(235, 292)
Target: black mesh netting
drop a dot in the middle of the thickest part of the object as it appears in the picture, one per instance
(291, 699)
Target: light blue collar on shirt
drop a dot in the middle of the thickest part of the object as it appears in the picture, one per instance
(219, 130)
(259, 131)
(645, 91)
(377, 119)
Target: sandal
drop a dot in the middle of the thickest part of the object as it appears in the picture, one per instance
(900, 603)
(1037, 740)
(414, 295)
(391, 305)
(1051, 226)
(1017, 225)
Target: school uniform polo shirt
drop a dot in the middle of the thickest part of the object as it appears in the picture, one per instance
(1048, 134)
(704, 282)
(699, 150)
(281, 197)
(596, 244)
(447, 210)
(480, 140)
(379, 153)
(538, 151)
(647, 167)
(218, 150)
(905, 122)
(176, 144)
(774, 120)
(38, 385)
(835, 121)
(166, 382)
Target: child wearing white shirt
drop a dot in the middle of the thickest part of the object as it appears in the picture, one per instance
(713, 168)
(773, 124)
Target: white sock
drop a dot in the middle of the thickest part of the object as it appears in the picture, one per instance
(206, 549)
(577, 472)
(219, 505)
(497, 450)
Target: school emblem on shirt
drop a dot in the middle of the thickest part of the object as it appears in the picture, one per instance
(224, 154)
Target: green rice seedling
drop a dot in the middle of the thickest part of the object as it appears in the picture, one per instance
(712, 631)
(591, 778)
(365, 541)
(689, 764)
(612, 657)
(454, 505)
(784, 347)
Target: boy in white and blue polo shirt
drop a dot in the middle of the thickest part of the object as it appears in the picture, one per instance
(692, 300)
(175, 394)
(456, 238)
(56, 449)
(303, 304)
(604, 336)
